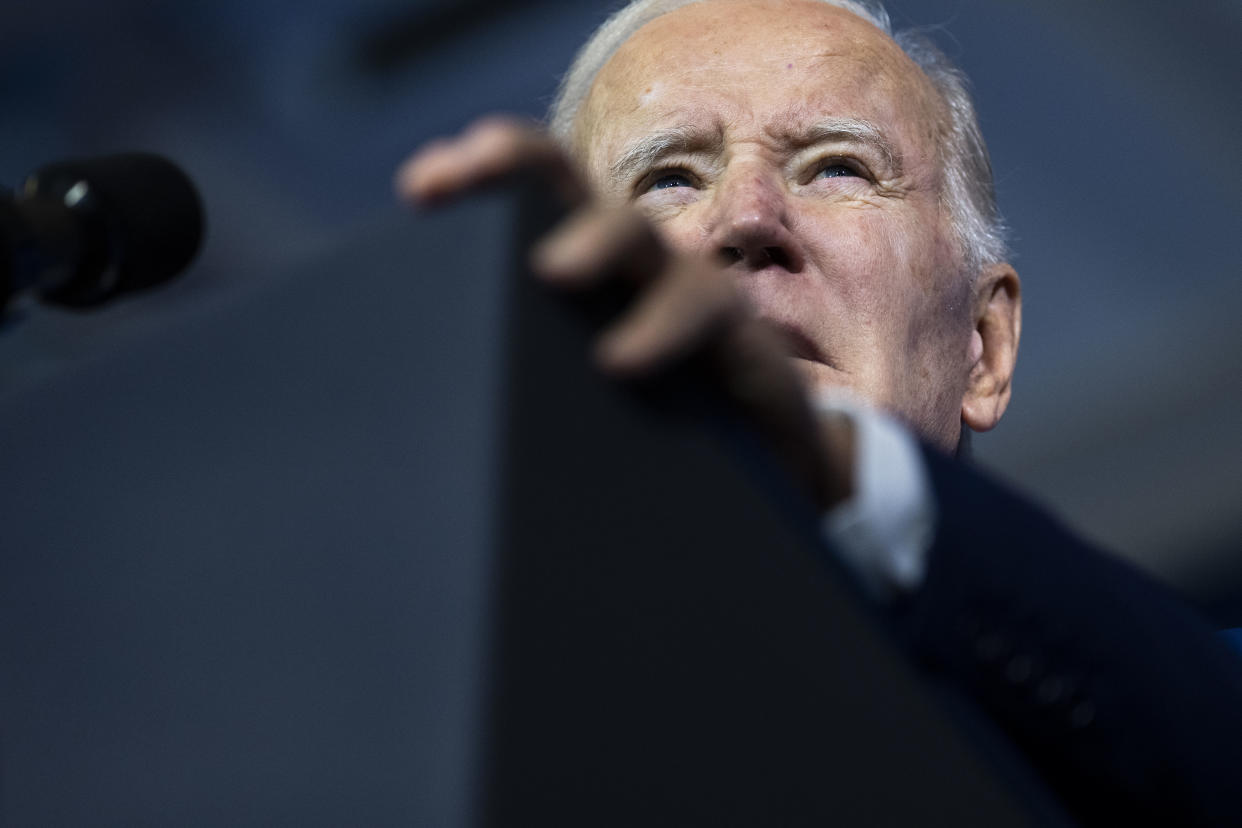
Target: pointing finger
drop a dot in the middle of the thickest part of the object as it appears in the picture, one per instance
(487, 153)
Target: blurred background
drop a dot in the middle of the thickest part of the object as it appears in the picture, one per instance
(1113, 128)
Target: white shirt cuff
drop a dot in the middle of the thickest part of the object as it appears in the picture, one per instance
(884, 530)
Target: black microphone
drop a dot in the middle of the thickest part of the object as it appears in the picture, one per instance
(80, 233)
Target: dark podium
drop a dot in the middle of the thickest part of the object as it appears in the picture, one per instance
(370, 544)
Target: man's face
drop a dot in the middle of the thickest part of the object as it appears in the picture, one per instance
(798, 142)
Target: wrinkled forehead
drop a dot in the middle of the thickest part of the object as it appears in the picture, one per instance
(763, 61)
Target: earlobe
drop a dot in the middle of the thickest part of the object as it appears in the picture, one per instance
(994, 346)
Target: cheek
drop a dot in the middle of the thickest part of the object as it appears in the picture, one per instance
(932, 368)
(862, 261)
(898, 284)
(899, 272)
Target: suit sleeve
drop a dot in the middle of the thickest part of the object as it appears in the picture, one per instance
(1124, 699)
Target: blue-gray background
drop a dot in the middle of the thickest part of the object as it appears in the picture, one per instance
(1113, 127)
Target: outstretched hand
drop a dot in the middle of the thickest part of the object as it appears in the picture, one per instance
(685, 307)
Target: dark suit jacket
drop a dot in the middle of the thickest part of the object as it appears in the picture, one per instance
(1126, 701)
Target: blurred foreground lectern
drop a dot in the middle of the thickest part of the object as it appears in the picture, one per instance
(369, 543)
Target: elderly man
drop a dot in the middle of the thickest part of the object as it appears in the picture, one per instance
(805, 204)
(848, 194)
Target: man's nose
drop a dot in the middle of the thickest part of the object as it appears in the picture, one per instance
(751, 224)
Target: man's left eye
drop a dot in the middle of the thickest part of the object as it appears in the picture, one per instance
(837, 171)
(670, 180)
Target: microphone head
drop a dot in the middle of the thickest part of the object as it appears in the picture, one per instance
(140, 218)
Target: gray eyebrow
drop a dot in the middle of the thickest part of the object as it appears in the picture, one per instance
(856, 130)
(649, 149)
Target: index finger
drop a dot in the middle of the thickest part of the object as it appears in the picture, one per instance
(490, 152)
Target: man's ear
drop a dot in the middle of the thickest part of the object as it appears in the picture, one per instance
(994, 346)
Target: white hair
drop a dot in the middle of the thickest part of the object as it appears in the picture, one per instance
(967, 194)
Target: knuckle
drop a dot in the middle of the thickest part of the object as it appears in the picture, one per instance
(504, 143)
(492, 125)
(499, 139)
(499, 143)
